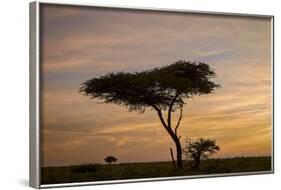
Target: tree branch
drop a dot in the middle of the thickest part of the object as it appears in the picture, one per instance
(170, 110)
(179, 120)
(168, 129)
(160, 116)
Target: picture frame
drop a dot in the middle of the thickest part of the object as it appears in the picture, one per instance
(36, 86)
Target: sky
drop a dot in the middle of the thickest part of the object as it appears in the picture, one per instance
(80, 43)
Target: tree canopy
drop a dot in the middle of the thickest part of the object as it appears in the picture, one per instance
(158, 88)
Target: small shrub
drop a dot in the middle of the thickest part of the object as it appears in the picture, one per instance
(200, 149)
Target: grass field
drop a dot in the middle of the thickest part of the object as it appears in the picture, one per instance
(100, 172)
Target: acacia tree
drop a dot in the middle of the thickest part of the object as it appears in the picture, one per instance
(162, 89)
(200, 149)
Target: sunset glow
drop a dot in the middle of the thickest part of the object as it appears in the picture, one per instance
(79, 43)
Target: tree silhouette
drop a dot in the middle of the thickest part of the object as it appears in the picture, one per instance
(110, 159)
(200, 149)
(161, 89)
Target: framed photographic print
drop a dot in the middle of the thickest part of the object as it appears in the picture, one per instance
(126, 94)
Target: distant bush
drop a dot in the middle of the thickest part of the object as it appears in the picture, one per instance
(110, 159)
(86, 168)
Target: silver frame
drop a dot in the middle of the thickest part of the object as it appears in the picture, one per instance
(34, 97)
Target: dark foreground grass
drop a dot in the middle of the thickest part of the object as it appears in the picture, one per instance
(100, 172)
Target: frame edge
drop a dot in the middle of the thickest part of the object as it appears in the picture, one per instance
(34, 163)
(34, 128)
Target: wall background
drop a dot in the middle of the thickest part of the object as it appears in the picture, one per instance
(14, 80)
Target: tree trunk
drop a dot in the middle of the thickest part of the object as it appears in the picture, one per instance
(176, 140)
(197, 162)
(172, 134)
(172, 155)
(179, 152)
